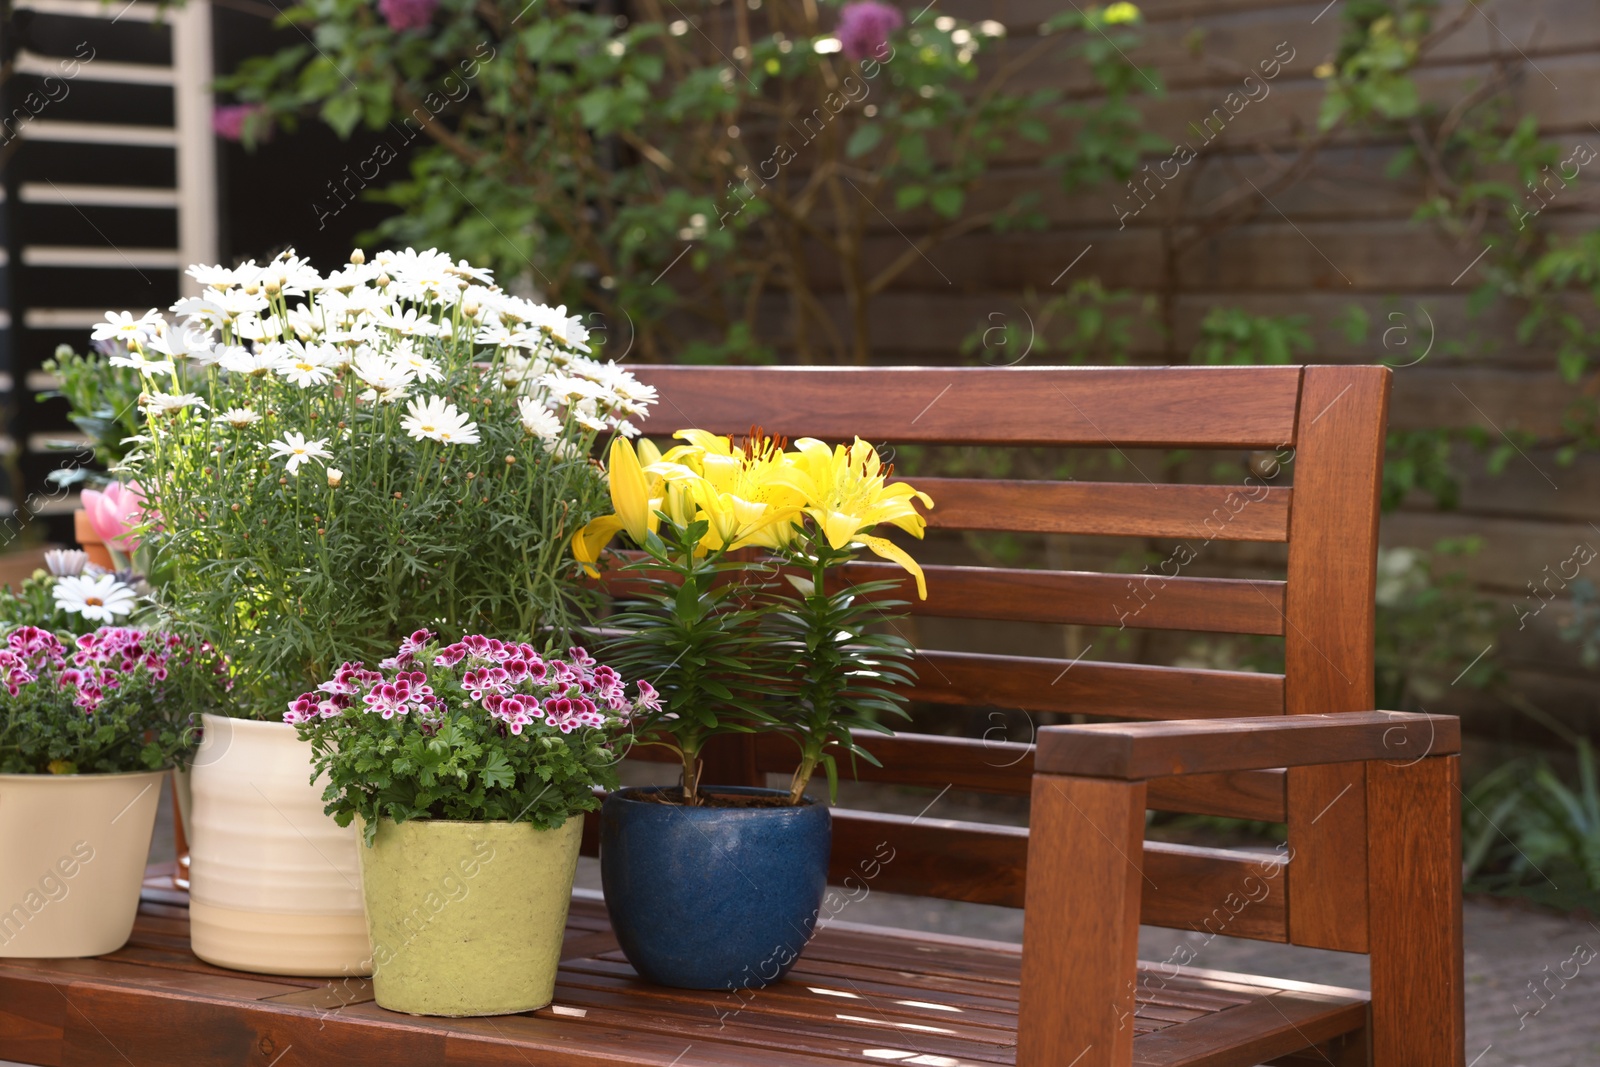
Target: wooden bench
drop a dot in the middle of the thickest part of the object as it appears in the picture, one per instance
(1371, 863)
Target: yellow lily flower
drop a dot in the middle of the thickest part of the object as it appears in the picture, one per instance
(630, 491)
(634, 507)
(845, 494)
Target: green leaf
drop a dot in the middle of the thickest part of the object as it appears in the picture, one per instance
(865, 138)
(947, 201)
(909, 196)
(343, 113)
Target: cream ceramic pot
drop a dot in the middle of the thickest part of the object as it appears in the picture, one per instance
(274, 884)
(73, 849)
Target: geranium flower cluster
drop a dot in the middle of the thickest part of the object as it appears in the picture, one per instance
(105, 660)
(511, 682)
(380, 332)
(117, 699)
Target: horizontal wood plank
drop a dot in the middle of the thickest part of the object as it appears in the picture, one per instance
(1240, 894)
(1072, 598)
(1259, 795)
(1265, 1028)
(1152, 750)
(1197, 514)
(1115, 690)
(1084, 598)
(1180, 407)
(1006, 767)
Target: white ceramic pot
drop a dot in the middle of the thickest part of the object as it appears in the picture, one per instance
(73, 849)
(274, 884)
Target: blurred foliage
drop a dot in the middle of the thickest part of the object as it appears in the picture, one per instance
(1582, 626)
(1087, 325)
(1529, 832)
(588, 152)
(1433, 626)
(1235, 337)
(103, 404)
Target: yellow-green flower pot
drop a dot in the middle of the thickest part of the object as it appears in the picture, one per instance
(467, 918)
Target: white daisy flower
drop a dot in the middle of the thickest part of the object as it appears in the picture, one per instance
(494, 334)
(255, 328)
(379, 371)
(335, 476)
(238, 418)
(135, 359)
(215, 354)
(482, 275)
(408, 323)
(217, 277)
(238, 302)
(158, 404)
(66, 562)
(200, 311)
(421, 367)
(184, 343)
(243, 361)
(306, 365)
(537, 419)
(122, 326)
(436, 419)
(98, 599)
(296, 450)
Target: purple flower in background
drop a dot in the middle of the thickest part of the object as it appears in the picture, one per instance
(403, 15)
(864, 28)
(228, 121)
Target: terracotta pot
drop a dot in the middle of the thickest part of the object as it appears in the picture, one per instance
(90, 541)
(73, 849)
(275, 885)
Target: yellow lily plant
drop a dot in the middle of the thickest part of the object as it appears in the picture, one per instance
(733, 657)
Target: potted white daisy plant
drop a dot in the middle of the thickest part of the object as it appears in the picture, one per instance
(332, 463)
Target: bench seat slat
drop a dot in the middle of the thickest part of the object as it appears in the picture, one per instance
(854, 991)
(1169, 407)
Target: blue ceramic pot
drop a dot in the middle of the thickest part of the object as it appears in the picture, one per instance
(712, 898)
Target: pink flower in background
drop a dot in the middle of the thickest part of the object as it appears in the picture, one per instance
(403, 15)
(114, 511)
(228, 120)
(864, 28)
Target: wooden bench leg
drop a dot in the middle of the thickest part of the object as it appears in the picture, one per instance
(1080, 934)
(1414, 901)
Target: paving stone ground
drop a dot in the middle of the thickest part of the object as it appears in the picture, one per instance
(1531, 1002)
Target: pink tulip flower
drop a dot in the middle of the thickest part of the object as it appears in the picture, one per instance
(115, 511)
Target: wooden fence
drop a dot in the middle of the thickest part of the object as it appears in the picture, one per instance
(1341, 236)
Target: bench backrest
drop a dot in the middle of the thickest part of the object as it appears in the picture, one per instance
(1333, 418)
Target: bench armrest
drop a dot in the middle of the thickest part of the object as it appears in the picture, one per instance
(1137, 751)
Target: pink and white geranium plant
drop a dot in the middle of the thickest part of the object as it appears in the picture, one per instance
(108, 702)
(480, 730)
